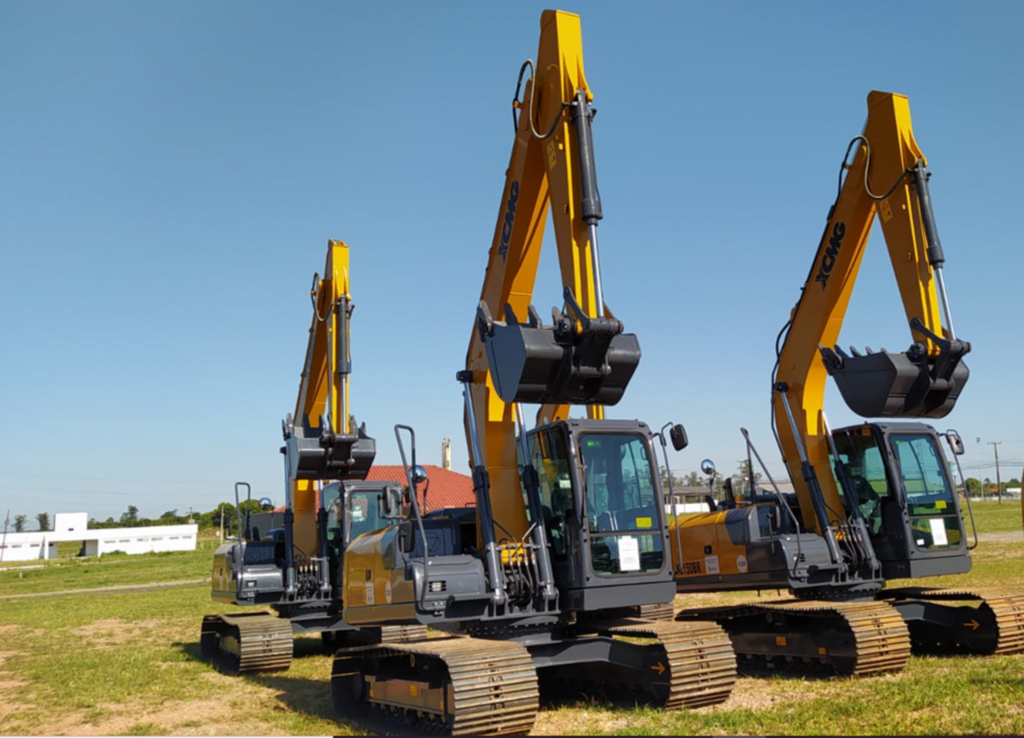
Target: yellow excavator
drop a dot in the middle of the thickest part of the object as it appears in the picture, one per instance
(874, 502)
(296, 569)
(541, 586)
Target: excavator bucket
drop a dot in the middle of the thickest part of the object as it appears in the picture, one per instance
(328, 455)
(589, 361)
(899, 385)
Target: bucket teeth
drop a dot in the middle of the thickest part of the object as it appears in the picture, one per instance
(884, 384)
(573, 361)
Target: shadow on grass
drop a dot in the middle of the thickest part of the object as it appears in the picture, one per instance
(800, 671)
(298, 694)
(303, 648)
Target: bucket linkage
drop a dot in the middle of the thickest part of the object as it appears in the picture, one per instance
(321, 453)
(910, 384)
(578, 360)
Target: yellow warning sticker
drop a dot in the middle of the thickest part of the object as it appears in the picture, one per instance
(643, 523)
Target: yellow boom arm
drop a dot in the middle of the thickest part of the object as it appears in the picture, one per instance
(550, 168)
(321, 441)
(887, 177)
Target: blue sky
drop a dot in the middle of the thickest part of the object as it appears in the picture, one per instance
(170, 173)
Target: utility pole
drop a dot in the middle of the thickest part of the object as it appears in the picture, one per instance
(999, 487)
(981, 483)
(3, 546)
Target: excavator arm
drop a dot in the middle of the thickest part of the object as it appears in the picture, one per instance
(583, 358)
(321, 440)
(887, 178)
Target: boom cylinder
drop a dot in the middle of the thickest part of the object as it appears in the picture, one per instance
(482, 488)
(590, 205)
(811, 478)
(531, 483)
(936, 257)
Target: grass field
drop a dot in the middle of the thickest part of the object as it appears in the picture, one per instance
(111, 662)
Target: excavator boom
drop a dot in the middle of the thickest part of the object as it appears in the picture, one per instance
(583, 357)
(886, 178)
(321, 440)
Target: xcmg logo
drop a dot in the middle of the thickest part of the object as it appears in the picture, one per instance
(828, 259)
(510, 215)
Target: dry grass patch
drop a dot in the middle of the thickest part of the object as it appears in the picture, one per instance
(578, 719)
(116, 633)
(754, 693)
(188, 717)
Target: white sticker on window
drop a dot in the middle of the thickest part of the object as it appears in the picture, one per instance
(939, 532)
(629, 554)
(369, 593)
(711, 564)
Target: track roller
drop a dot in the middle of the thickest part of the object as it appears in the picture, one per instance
(246, 642)
(681, 665)
(853, 638)
(664, 611)
(335, 639)
(988, 621)
(452, 686)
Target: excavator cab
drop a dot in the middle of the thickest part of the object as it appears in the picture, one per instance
(577, 360)
(921, 534)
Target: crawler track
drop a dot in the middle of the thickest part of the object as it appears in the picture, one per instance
(402, 633)
(692, 664)
(453, 686)
(656, 612)
(263, 641)
(993, 622)
(854, 638)
(246, 642)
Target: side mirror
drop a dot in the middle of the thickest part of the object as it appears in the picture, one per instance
(956, 444)
(418, 474)
(678, 436)
(406, 537)
(708, 467)
(384, 504)
(266, 504)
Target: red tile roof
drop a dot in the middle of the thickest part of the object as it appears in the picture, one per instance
(447, 488)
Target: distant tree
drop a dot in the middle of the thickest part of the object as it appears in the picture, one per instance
(973, 486)
(665, 474)
(694, 479)
(108, 523)
(171, 517)
(131, 517)
(212, 518)
(19, 523)
(744, 471)
(44, 521)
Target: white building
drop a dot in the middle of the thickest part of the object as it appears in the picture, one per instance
(96, 542)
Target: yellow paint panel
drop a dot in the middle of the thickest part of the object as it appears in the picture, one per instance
(643, 523)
